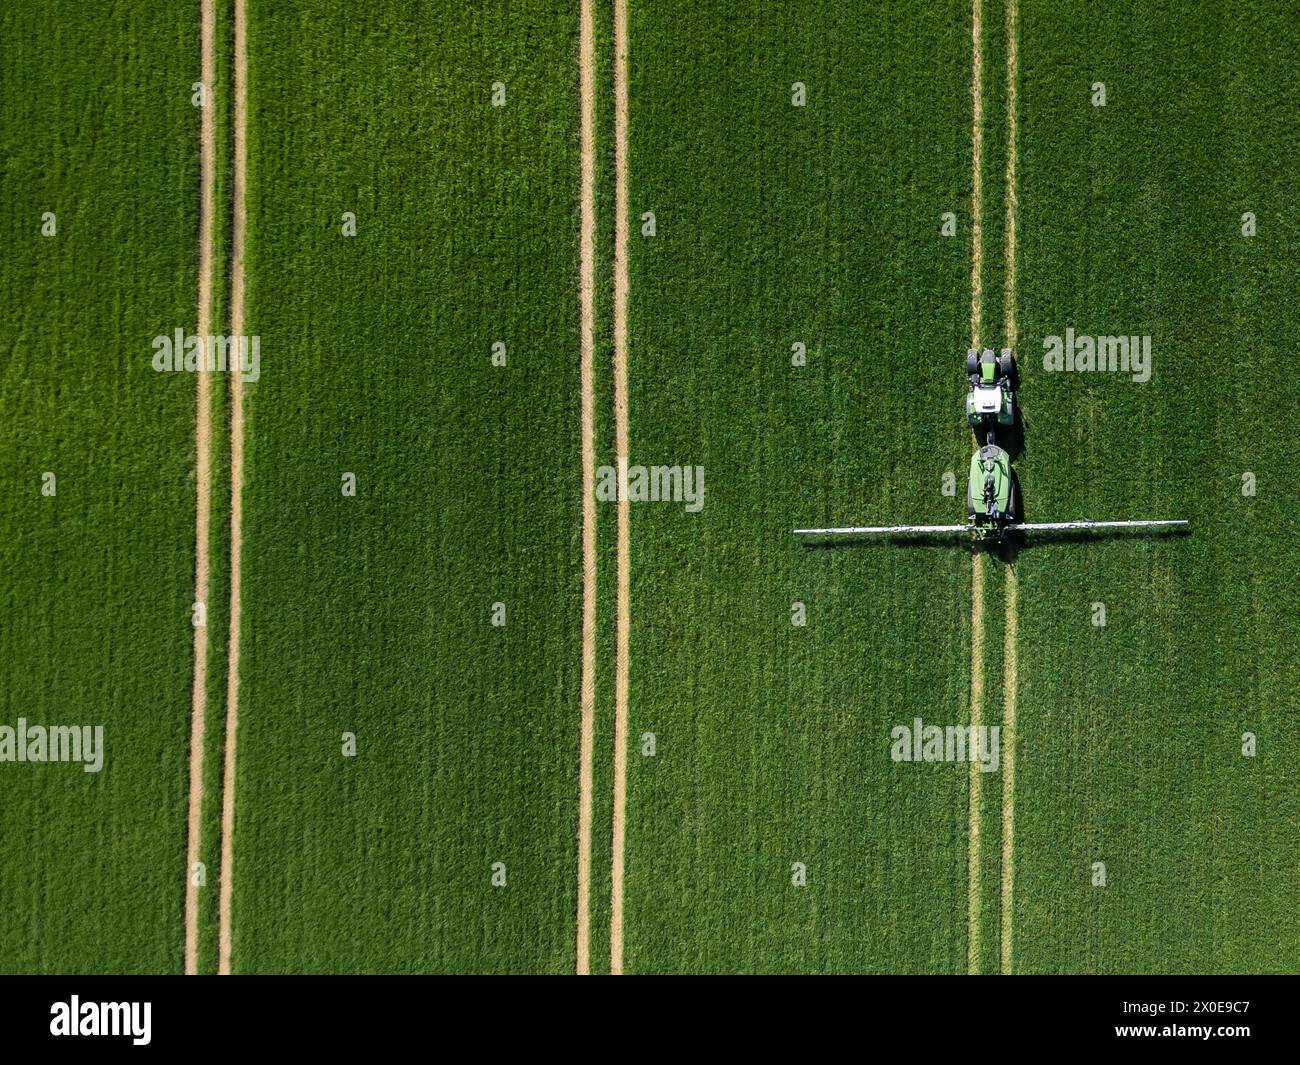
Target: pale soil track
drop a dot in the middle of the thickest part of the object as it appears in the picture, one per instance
(622, 609)
(974, 908)
(1009, 309)
(202, 476)
(238, 227)
(587, 305)
(1010, 679)
(974, 853)
(977, 175)
(1008, 772)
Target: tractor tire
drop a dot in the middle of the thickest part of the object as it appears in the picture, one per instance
(1005, 365)
(972, 363)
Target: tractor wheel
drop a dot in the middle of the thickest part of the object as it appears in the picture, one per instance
(972, 363)
(1005, 366)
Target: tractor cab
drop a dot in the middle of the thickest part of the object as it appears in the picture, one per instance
(990, 400)
(990, 495)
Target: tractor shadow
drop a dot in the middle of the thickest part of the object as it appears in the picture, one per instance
(902, 540)
(1103, 536)
(1008, 549)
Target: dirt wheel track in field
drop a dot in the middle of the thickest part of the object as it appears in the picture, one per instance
(1009, 309)
(973, 907)
(1010, 679)
(587, 305)
(974, 852)
(238, 228)
(622, 609)
(977, 176)
(1008, 772)
(202, 476)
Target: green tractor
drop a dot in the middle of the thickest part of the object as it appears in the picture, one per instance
(991, 492)
(993, 507)
(991, 398)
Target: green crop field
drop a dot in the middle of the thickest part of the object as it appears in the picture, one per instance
(96, 479)
(1132, 732)
(779, 225)
(804, 217)
(373, 614)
